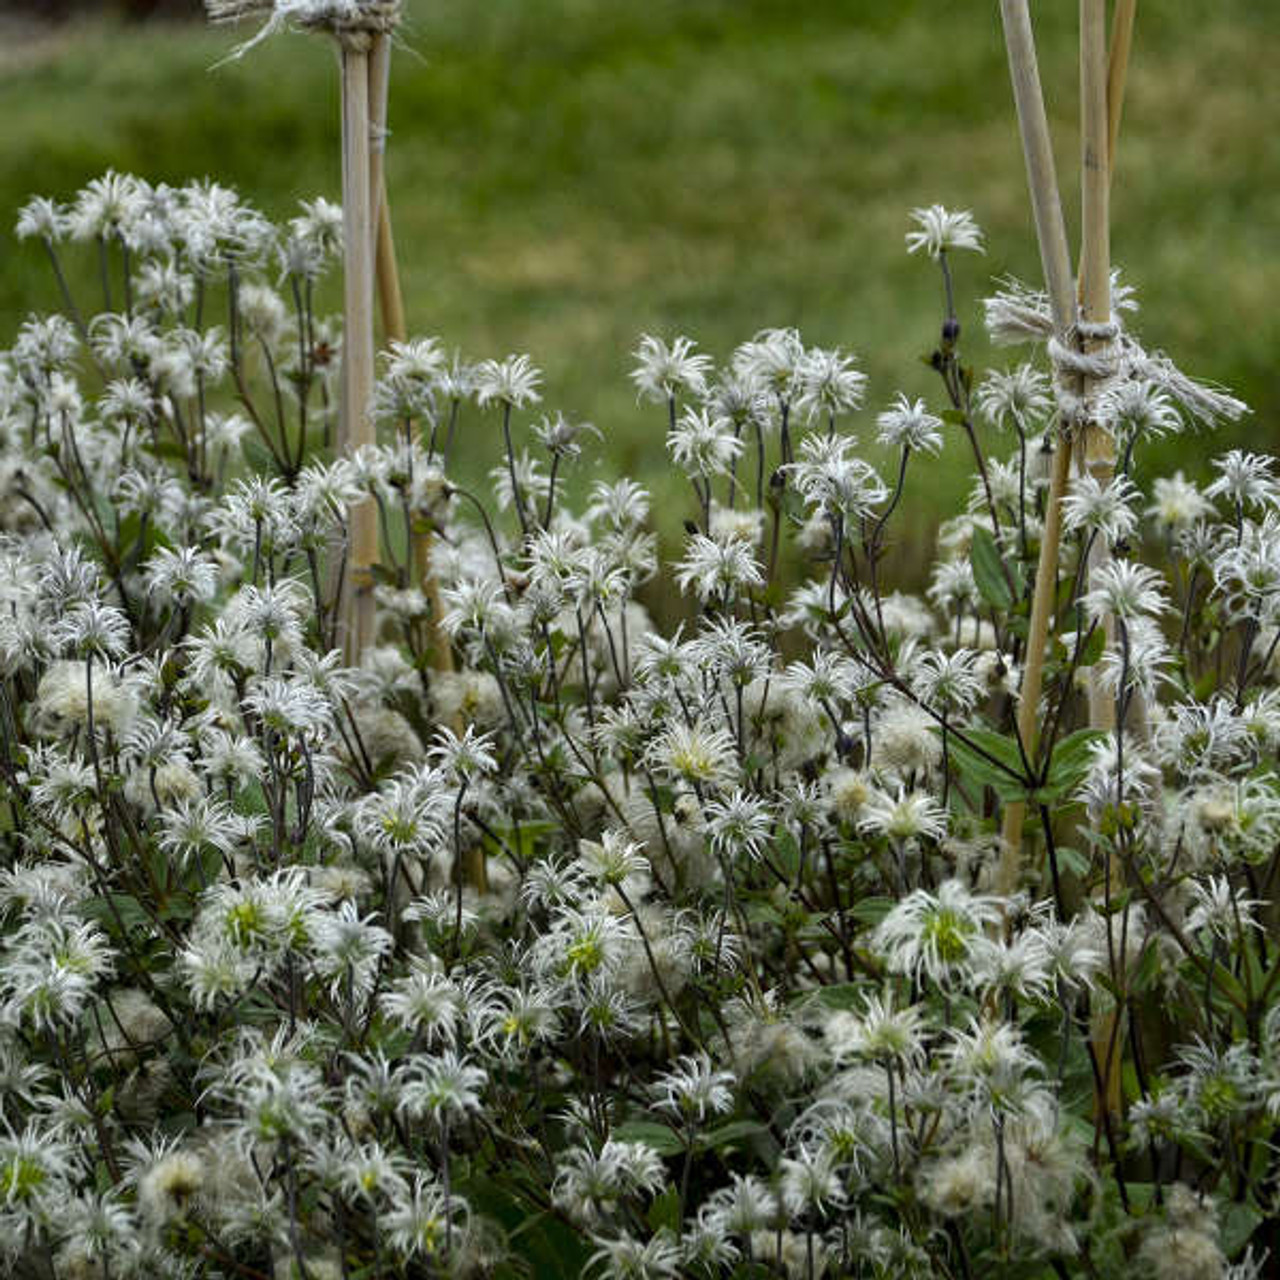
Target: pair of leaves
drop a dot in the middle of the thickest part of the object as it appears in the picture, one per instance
(993, 760)
(667, 1142)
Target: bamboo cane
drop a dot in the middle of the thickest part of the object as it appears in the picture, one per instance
(1055, 257)
(394, 329)
(356, 425)
(379, 86)
(1098, 455)
(362, 29)
(1117, 72)
(1101, 97)
(390, 300)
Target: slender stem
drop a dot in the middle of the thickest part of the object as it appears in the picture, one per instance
(103, 272)
(516, 496)
(291, 1189)
(68, 301)
(893, 1120)
(457, 870)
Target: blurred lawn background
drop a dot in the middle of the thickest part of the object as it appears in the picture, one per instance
(567, 174)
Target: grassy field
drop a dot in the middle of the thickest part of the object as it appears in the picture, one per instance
(566, 174)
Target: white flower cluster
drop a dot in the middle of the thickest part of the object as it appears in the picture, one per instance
(643, 953)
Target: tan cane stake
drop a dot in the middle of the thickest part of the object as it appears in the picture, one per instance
(362, 32)
(1096, 445)
(390, 300)
(356, 425)
(394, 329)
(1101, 96)
(1117, 71)
(1101, 110)
(391, 305)
(1055, 257)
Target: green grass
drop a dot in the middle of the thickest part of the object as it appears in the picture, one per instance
(566, 174)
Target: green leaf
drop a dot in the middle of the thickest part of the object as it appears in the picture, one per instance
(126, 908)
(992, 760)
(730, 1133)
(1072, 861)
(1229, 985)
(258, 456)
(524, 840)
(988, 569)
(1071, 758)
(1017, 624)
(870, 911)
(1239, 1222)
(655, 1136)
(317, 450)
(665, 1210)
(547, 1247)
(844, 996)
(1093, 648)
(158, 864)
(786, 854)
(167, 448)
(1142, 1195)
(1148, 971)
(764, 911)
(793, 506)
(182, 906)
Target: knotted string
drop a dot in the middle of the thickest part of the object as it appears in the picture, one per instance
(1097, 370)
(354, 23)
(1018, 315)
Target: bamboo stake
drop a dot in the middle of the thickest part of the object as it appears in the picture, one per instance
(1037, 148)
(1055, 257)
(1099, 125)
(379, 86)
(1117, 72)
(392, 307)
(1095, 173)
(394, 329)
(356, 425)
(390, 301)
(1097, 444)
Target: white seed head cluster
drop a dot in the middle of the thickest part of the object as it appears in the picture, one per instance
(655, 889)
